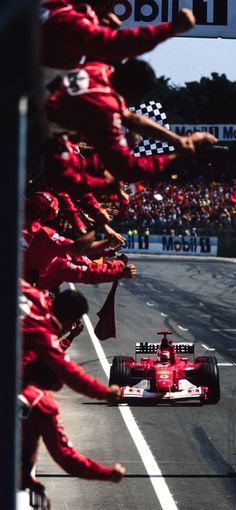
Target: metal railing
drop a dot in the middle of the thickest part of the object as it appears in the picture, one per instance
(39, 501)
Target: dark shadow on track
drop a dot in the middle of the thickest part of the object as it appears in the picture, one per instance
(145, 403)
(62, 475)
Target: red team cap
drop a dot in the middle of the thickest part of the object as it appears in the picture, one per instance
(43, 203)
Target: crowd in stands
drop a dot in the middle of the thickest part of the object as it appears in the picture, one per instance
(88, 155)
(186, 209)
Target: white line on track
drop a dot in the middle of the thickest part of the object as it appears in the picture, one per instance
(160, 487)
(226, 364)
(208, 348)
(97, 346)
(182, 329)
(199, 315)
(164, 314)
(223, 329)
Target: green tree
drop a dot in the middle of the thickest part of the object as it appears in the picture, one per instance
(211, 100)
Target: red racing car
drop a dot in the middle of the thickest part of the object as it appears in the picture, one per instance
(169, 376)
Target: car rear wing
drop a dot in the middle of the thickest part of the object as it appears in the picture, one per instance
(151, 348)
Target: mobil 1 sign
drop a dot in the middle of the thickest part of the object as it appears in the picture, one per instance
(214, 18)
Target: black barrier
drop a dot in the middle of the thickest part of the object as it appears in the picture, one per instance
(18, 43)
(39, 501)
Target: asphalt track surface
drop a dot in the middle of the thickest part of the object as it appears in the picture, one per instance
(185, 454)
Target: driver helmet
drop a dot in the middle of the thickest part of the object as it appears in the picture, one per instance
(165, 356)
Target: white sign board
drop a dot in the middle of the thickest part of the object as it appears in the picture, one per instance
(215, 18)
(223, 132)
(172, 245)
(23, 501)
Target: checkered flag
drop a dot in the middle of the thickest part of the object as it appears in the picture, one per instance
(148, 147)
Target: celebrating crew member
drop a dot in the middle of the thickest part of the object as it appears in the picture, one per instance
(68, 170)
(88, 101)
(48, 260)
(46, 366)
(72, 29)
(96, 212)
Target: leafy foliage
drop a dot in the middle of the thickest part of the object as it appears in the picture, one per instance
(211, 100)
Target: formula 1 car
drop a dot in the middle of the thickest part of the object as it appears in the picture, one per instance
(171, 376)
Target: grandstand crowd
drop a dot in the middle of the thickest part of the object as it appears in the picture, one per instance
(186, 209)
(91, 76)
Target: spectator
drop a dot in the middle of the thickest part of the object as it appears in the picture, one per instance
(192, 207)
